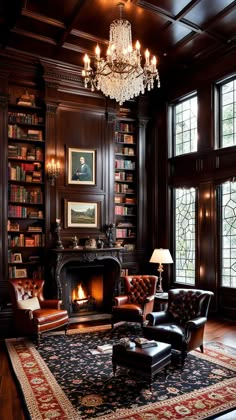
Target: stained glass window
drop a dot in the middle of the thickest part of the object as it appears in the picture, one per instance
(228, 234)
(185, 235)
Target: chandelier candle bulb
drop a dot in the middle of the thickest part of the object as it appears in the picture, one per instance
(147, 55)
(97, 52)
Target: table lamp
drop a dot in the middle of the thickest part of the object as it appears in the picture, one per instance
(161, 256)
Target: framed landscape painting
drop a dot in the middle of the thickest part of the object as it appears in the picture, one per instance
(81, 214)
(81, 166)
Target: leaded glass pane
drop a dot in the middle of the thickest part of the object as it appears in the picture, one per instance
(185, 136)
(185, 232)
(228, 235)
(228, 114)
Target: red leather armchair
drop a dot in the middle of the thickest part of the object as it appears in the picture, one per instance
(137, 301)
(182, 323)
(32, 313)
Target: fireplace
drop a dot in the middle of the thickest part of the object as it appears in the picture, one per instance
(87, 280)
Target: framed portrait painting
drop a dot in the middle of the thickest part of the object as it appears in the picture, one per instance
(81, 214)
(81, 166)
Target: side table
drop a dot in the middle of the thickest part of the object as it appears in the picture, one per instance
(161, 301)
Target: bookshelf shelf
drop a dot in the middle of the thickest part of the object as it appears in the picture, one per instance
(26, 191)
(125, 190)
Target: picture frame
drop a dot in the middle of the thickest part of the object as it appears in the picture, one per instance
(20, 273)
(17, 258)
(81, 166)
(80, 214)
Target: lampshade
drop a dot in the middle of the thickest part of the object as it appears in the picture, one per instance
(161, 256)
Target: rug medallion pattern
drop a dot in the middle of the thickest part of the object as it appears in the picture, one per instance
(61, 379)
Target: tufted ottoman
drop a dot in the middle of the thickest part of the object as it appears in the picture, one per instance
(145, 361)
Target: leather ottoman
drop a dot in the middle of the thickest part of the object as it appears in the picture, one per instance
(145, 361)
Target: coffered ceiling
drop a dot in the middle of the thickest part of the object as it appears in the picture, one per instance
(179, 32)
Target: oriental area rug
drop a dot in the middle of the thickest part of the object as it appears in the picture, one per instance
(62, 379)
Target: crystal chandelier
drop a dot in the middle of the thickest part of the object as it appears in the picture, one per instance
(121, 75)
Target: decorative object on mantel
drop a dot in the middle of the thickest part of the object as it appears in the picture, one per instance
(57, 234)
(75, 242)
(161, 256)
(26, 99)
(100, 243)
(120, 75)
(110, 234)
(91, 243)
(53, 171)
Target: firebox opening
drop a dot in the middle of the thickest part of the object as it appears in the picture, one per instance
(83, 291)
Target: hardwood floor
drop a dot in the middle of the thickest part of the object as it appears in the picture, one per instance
(10, 401)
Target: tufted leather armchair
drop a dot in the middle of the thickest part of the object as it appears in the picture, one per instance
(137, 301)
(32, 313)
(182, 323)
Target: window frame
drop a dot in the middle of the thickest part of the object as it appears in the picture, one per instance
(172, 124)
(218, 110)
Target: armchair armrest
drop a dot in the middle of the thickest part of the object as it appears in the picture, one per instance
(195, 323)
(154, 318)
(120, 300)
(51, 303)
(149, 298)
(22, 315)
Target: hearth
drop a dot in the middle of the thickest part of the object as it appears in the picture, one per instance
(87, 280)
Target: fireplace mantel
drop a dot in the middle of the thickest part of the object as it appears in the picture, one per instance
(83, 256)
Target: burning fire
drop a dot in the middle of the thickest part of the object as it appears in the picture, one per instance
(78, 294)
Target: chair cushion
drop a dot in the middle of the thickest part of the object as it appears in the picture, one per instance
(128, 308)
(139, 290)
(31, 303)
(167, 333)
(44, 316)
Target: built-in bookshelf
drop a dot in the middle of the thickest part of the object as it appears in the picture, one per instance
(26, 191)
(125, 200)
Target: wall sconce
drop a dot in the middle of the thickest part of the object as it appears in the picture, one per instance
(53, 170)
(161, 256)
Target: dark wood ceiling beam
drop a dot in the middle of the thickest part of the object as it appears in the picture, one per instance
(165, 15)
(42, 18)
(72, 23)
(77, 48)
(28, 34)
(89, 37)
(190, 25)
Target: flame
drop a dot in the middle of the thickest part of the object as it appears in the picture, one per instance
(78, 293)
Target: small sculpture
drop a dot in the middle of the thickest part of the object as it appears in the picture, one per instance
(57, 234)
(110, 234)
(75, 242)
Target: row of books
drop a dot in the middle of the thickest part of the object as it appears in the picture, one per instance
(20, 194)
(24, 212)
(16, 151)
(123, 189)
(16, 132)
(15, 227)
(25, 118)
(27, 172)
(124, 211)
(124, 126)
(124, 151)
(124, 176)
(124, 164)
(20, 240)
(125, 233)
(16, 272)
(124, 138)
